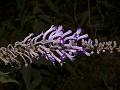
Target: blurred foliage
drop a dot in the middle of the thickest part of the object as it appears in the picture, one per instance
(98, 18)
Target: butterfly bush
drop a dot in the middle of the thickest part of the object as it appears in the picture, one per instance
(55, 45)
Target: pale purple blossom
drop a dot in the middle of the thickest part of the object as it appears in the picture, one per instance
(55, 45)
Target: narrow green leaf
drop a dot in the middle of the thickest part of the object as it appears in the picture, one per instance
(5, 78)
(52, 6)
(26, 73)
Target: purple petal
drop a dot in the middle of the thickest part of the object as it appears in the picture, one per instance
(62, 41)
(63, 57)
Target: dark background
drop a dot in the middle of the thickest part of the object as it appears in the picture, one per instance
(99, 18)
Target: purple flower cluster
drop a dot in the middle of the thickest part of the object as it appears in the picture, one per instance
(55, 45)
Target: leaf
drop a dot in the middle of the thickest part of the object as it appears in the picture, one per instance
(38, 25)
(107, 4)
(8, 24)
(27, 19)
(21, 6)
(26, 73)
(36, 82)
(2, 73)
(43, 87)
(5, 78)
(32, 77)
(84, 17)
(45, 18)
(52, 6)
(37, 78)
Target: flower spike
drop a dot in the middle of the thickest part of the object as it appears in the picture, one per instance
(56, 45)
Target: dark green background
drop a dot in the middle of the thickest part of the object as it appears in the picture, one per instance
(99, 18)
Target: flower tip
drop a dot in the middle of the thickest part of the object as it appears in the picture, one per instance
(62, 41)
(60, 27)
(78, 31)
(63, 57)
(88, 54)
